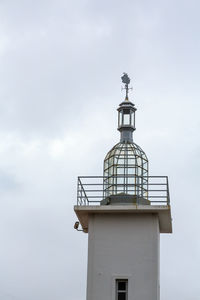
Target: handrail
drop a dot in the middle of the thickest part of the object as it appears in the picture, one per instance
(93, 189)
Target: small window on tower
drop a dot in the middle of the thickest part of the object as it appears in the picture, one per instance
(121, 289)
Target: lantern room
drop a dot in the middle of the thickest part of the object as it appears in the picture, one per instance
(126, 172)
(126, 117)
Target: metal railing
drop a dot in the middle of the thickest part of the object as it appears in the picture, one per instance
(91, 190)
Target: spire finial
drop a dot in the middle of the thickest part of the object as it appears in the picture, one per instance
(126, 80)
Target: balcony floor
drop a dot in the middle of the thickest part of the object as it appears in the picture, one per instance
(163, 212)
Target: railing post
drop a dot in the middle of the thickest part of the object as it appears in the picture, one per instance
(168, 197)
(78, 191)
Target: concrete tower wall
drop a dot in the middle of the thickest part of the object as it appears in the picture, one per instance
(123, 246)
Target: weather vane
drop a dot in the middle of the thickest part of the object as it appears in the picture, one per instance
(126, 80)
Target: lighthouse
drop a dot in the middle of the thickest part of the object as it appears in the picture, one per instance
(124, 211)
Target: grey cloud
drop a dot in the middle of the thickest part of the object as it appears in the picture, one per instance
(8, 182)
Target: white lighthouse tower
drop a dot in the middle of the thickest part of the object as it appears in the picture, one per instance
(124, 211)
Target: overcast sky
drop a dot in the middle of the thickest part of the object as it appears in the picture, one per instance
(60, 68)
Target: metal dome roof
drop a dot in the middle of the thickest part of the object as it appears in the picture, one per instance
(127, 149)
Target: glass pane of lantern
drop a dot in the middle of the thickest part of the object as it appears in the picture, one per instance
(120, 171)
(131, 161)
(120, 180)
(130, 180)
(120, 118)
(131, 171)
(132, 118)
(126, 119)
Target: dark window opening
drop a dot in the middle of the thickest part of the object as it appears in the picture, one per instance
(121, 289)
(122, 285)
